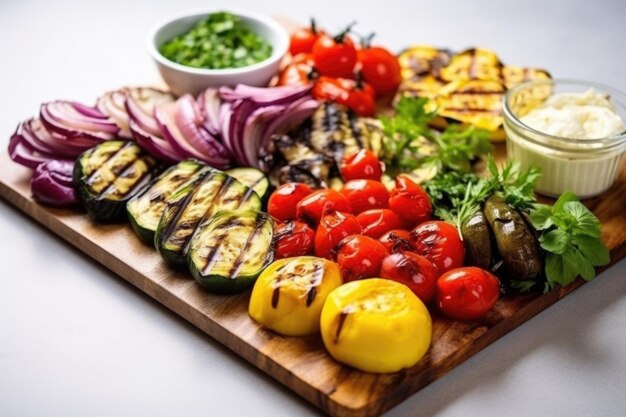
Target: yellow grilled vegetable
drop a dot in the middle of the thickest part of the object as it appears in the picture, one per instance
(466, 87)
(376, 325)
(289, 295)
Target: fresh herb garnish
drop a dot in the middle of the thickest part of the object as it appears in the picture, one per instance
(220, 40)
(457, 196)
(411, 143)
(570, 233)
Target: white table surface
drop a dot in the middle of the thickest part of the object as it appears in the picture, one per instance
(76, 340)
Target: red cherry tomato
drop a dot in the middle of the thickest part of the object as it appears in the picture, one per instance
(303, 39)
(413, 270)
(377, 222)
(467, 293)
(359, 97)
(365, 195)
(440, 242)
(283, 201)
(410, 201)
(313, 206)
(298, 72)
(293, 238)
(363, 165)
(396, 240)
(336, 56)
(380, 69)
(359, 257)
(333, 228)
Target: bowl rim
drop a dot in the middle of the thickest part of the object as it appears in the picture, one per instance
(279, 50)
(617, 139)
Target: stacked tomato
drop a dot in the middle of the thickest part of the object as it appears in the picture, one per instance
(372, 232)
(342, 71)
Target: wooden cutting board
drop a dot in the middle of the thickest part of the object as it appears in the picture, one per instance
(301, 364)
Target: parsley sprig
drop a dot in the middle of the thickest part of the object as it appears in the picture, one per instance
(570, 234)
(411, 143)
(457, 196)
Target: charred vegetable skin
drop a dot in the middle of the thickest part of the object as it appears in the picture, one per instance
(193, 206)
(108, 175)
(253, 179)
(146, 208)
(289, 295)
(478, 240)
(516, 242)
(227, 253)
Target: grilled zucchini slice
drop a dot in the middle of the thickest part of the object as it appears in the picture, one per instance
(108, 175)
(419, 61)
(473, 64)
(145, 209)
(254, 179)
(228, 253)
(193, 206)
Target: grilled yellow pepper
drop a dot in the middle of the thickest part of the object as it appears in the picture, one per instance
(289, 295)
(376, 325)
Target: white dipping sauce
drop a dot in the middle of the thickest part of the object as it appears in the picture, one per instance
(589, 115)
(562, 125)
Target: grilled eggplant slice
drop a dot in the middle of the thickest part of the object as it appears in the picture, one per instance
(193, 206)
(478, 239)
(145, 209)
(108, 175)
(228, 253)
(253, 179)
(516, 243)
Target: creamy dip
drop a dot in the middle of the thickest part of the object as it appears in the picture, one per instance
(588, 115)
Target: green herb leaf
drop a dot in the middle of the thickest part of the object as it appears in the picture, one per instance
(410, 142)
(554, 241)
(541, 217)
(571, 236)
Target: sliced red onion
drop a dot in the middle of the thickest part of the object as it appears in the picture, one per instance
(113, 104)
(52, 184)
(190, 122)
(65, 119)
(156, 146)
(24, 154)
(209, 102)
(253, 129)
(36, 134)
(265, 96)
(292, 117)
(140, 105)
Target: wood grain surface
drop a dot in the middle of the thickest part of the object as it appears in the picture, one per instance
(301, 364)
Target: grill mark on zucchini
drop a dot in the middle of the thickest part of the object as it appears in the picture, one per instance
(116, 170)
(113, 188)
(238, 263)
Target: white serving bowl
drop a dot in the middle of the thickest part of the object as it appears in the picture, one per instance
(182, 79)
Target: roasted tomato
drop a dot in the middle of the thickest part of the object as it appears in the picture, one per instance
(333, 228)
(397, 240)
(410, 201)
(467, 293)
(377, 222)
(440, 242)
(336, 56)
(363, 165)
(365, 195)
(359, 97)
(283, 201)
(412, 270)
(299, 71)
(293, 238)
(303, 39)
(359, 257)
(312, 207)
(380, 69)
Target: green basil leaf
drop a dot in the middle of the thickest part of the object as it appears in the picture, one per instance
(593, 249)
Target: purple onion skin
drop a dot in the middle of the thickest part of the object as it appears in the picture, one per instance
(51, 184)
